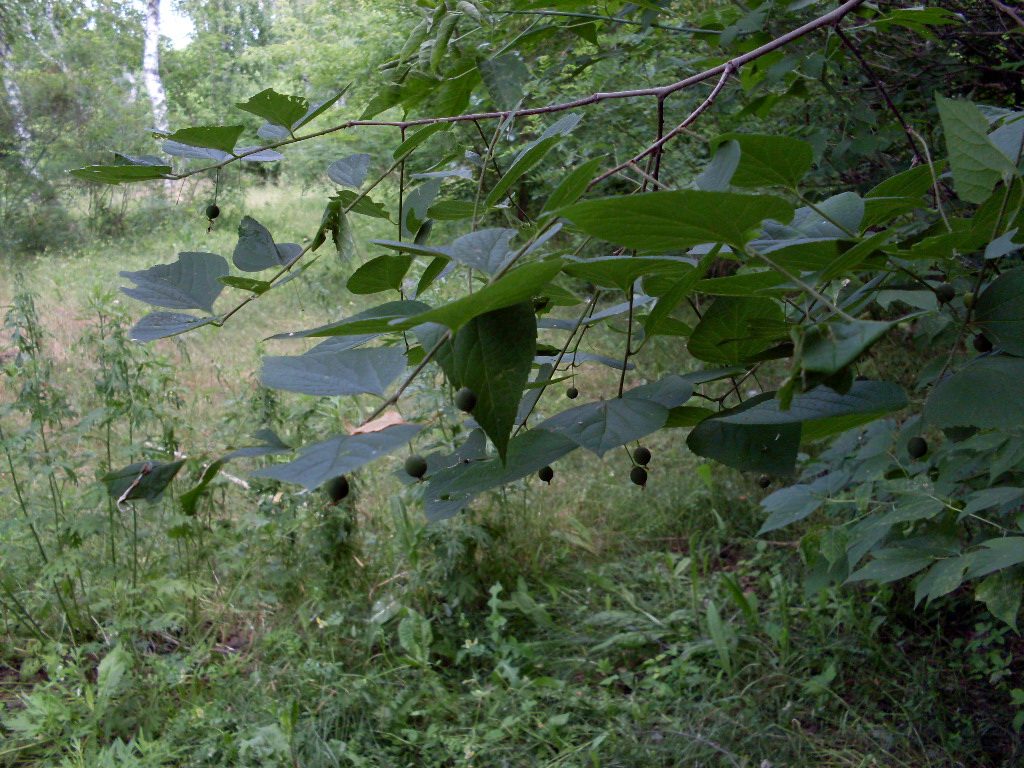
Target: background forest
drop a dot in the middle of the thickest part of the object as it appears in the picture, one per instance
(778, 309)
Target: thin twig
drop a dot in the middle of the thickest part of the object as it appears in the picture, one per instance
(660, 92)
(728, 69)
(882, 90)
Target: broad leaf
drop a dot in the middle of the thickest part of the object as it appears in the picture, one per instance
(256, 249)
(160, 325)
(718, 174)
(451, 490)
(622, 271)
(572, 186)
(492, 354)
(986, 394)
(767, 161)
(976, 164)
(318, 463)
(374, 320)
(770, 448)
(349, 171)
(658, 221)
(346, 372)
(503, 77)
(272, 444)
(276, 108)
(831, 346)
(142, 480)
(724, 333)
(191, 282)
(217, 137)
(607, 424)
(532, 154)
(380, 274)
(1000, 311)
(121, 174)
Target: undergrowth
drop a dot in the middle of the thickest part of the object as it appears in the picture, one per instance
(582, 623)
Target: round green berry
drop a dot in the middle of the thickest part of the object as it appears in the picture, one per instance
(545, 474)
(917, 447)
(337, 488)
(465, 399)
(638, 476)
(572, 393)
(416, 466)
(212, 211)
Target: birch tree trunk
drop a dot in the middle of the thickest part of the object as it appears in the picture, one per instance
(18, 117)
(151, 66)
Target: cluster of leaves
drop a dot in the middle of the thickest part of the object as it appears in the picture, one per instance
(816, 281)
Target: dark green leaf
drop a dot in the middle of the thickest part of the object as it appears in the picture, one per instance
(986, 393)
(492, 354)
(770, 448)
(121, 174)
(276, 108)
(532, 154)
(380, 274)
(718, 174)
(272, 444)
(246, 284)
(831, 346)
(218, 137)
(622, 271)
(724, 334)
(503, 77)
(190, 499)
(767, 161)
(659, 221)
(256, 249)
(1000, 311)
(573, 185)
(142, 480)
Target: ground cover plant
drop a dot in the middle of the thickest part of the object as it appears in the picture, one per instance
(588, 249)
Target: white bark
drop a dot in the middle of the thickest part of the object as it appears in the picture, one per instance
(151, 66)
(18, 117)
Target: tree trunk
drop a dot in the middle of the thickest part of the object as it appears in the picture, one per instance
(18, 117)
(151, 66)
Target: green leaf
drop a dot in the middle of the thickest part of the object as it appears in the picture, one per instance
(622, 271)
(986, 394)
(518, 285)
(942, 578)
(767, 448)
(487, 250)
(911, 184)
(687, 416)
(452, 210)
(218, 137)
(492, 354)
(319, 462)
(892, 564)
(724, 333)
(828, 347)
(767, 161)
(160, 325)
(451, 490)
(276, 108)
(659, 221)
(532, 154)
(1000, 311)
(999, 554)
(191, 282)
(349, 171)
(718, 174)
(347, 372)
(503, 77)
(256, 249)
(749, 284)
(246, 284)
(374, 320)
(121, 174)
(407, 146)
(572, 186)
(1001, 592)
(796, 502)
(976, 164)
(606, 424)
(142, 480)
(432, 271)
(661, 313)
(190, 499)
(380, 274)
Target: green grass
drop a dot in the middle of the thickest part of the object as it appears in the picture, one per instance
(585, 623)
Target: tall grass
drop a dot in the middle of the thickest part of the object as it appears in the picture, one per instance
(582, 623)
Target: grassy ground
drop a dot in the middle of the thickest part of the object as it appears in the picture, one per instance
(585, 623)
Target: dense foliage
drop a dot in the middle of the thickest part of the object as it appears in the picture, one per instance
(792, 246)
